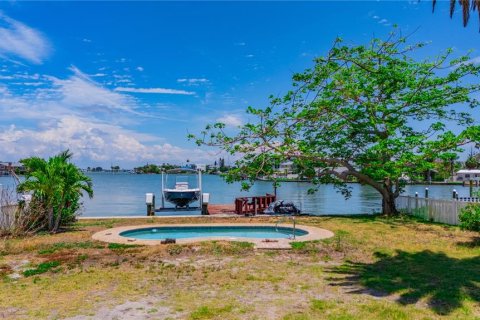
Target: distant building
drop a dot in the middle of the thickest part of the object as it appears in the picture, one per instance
(221, 162)
(429, 175)
(468, 174)
(286, 170)
(202, 167)
(6, 167)
(286, 167)
(191, 166)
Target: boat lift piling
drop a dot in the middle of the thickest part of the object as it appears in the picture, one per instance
(200, 187)
(150, 201)
(163, 187)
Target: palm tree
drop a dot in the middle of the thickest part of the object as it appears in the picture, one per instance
(58, 185)
(466, 8)
(472, 163)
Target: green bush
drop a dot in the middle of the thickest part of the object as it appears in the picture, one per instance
(470, 217)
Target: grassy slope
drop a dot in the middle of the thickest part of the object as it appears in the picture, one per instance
(374, 268)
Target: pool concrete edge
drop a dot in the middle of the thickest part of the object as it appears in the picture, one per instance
(113, 235)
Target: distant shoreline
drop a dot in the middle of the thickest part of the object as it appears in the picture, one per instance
(437, 183)
(279, 180)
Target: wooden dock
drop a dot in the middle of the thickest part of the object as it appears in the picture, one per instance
(243, 206)
(214, 209)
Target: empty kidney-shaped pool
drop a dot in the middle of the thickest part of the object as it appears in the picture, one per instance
(183, 232)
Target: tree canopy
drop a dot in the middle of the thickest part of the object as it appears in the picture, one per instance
(371, 112)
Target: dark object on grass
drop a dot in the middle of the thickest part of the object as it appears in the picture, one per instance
(168, 240)
(281, 207)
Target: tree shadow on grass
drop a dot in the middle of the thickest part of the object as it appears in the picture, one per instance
(443, 281)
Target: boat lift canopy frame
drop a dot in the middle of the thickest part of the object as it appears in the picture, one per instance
(175, 171)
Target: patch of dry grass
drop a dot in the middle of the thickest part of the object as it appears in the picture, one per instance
(331, 279)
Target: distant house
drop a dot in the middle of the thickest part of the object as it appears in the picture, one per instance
(429, 175)
(286, 167)
(202, 167)
(468, 174)
(285, 170)
(5, 168)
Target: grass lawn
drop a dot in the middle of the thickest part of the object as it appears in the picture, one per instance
(374, 268)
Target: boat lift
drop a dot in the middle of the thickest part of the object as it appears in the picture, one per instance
(203, 199)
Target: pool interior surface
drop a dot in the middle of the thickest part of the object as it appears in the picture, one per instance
(179, 232)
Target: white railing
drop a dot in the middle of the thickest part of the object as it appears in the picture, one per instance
(436, 210)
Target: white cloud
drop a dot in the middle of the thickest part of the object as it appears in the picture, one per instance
(139, 69)
(379, 19)
(81, 115)
(19, 40)
(81, 91)
(91, 141)
(249, 56)
(240, 44)
(230, 120)
(126, 80)
(192, 80)
(154, 90)
(29, 84)
(475, 60)
(86, 40)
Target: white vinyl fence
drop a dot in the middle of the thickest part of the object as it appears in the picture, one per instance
(436, 210)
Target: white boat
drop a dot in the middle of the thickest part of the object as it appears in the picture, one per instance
(182, 194)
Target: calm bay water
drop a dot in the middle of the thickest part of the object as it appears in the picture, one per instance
(124, 194)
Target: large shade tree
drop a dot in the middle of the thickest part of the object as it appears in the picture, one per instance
(370, 113)
(56, 185)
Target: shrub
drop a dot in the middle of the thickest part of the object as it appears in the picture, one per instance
(19, 219)
(470, 217)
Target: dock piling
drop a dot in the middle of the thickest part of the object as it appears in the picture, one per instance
(205, 200)
(150, 201)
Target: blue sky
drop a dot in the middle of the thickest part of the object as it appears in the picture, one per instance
(123, 83)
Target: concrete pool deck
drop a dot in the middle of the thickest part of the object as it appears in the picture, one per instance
(113, 235)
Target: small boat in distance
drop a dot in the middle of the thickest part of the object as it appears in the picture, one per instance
(182, 194)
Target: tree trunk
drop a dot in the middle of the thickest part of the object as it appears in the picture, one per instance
(50, 218)
(388, 204)
(58, 218)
